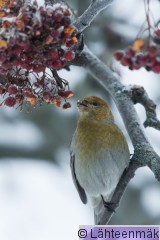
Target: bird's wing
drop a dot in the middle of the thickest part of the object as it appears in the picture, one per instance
(80, 190)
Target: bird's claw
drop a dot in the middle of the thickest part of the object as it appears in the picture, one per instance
(111, 206)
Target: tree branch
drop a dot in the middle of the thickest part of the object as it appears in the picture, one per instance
(91, 12)
(120, 189)
(144, 154)
(139, 95)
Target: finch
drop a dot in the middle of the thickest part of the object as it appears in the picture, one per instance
(99, 154)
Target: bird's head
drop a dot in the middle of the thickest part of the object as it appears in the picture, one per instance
(94, 108)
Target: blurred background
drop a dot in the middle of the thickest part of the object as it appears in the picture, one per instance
(37, 196)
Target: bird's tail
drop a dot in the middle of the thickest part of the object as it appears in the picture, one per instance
(99, 209)
(98, 212)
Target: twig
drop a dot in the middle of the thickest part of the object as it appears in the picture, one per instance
(139, 95)
(91, 12)
(57, 78)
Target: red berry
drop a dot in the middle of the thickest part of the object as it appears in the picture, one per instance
(10, 101)
(58, 101)
(69, 55)
(56, 65)
(118, 55)
(32, 99)
(26, 66)
(2, 57)
(126, 61)
(156, 68)
(54, 55)
(27, 92)
(65, 94)
(68, 94)
(152, 51)
(66, 105)
(58, 17)
(63, 63)
(12, 89)
(7, 65)
(70, 43)
(17, 49)
(47, 96)
(52, 100)
(134, 66)
(38, 68)
(17, 62)
(65, 35)
(55, 34)
(141, 60)
(129, 53)
(61, 93)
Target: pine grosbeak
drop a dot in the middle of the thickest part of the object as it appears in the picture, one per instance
(99, 154)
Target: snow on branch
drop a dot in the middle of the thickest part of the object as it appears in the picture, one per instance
(91, 12)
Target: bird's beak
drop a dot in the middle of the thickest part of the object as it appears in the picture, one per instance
(82, 103)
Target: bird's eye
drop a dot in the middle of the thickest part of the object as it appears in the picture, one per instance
(95, 104)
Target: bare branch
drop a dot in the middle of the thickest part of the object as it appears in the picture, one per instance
(139, 95)
(91, 12)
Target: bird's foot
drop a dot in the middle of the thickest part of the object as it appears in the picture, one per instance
(109, 205)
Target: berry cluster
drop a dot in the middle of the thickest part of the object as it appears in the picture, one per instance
(138, 56)
(35, 39)
(18, 89)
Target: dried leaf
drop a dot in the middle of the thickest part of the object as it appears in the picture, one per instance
(138, 45)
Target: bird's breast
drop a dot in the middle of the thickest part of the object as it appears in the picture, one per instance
(93, 138)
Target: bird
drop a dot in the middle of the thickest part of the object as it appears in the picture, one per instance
(99, 154)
